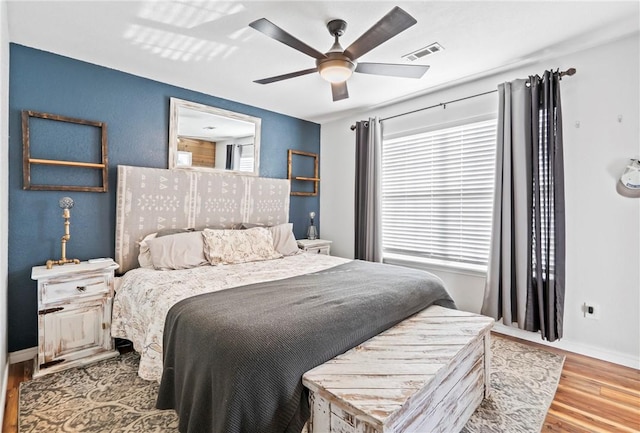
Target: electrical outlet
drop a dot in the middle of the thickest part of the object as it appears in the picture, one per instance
(591, 310)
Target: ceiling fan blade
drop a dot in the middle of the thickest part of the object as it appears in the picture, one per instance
(393, 70)
(273, 31)
(286, 76)
(396, 21)
(339, 91)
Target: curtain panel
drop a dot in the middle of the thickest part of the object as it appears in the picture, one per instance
(526, 273)
(368, 218)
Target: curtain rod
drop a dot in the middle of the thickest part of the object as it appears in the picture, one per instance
(569, 72)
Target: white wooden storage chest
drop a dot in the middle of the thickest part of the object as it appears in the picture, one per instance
(426, 374)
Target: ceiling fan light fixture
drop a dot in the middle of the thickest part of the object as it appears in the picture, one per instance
(337, 65)
(336, 70)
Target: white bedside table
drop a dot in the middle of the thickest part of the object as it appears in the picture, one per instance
(74, 315)
(318, 246)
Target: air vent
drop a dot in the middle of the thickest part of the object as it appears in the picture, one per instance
(425, 51)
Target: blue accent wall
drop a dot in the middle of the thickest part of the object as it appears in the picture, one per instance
(136, 111)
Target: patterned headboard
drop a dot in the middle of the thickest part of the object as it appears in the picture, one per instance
(150, 199)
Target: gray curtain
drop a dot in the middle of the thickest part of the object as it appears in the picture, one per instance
(234, 153)
(368, 226)
(526, 274)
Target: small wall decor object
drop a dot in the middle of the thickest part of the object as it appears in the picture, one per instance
(61, 131)
(630, 180)
(312, 231)
(65, 203)
(309, 178)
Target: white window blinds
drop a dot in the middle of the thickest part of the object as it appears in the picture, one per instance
(437, 193)
(246, 158)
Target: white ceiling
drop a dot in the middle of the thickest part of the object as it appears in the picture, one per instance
(205, 125)
(207, 45)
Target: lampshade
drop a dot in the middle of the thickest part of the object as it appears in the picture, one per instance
(336, 70)
(65, 203)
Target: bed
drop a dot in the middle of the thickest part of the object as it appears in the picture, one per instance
(297, 310)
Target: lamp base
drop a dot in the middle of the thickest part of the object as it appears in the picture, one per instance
(50, 263)
(312, 233)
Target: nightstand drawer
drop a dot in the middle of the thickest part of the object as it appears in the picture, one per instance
(56, 291)
(319, 250)
(315, 246)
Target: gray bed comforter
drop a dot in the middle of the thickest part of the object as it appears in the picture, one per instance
(234, 359)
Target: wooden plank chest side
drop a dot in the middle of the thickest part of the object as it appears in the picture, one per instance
(426, 374)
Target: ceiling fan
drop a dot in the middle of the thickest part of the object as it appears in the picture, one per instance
(337, 64)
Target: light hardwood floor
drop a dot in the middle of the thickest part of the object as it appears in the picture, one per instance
(593, 396)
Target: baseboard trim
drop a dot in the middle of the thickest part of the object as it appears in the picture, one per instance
(23, 355)
(3, 397)
(571, 346)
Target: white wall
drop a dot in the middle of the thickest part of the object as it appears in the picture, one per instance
(4, 198)
(601, 132)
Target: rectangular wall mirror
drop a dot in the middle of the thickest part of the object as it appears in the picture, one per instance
(209, 138)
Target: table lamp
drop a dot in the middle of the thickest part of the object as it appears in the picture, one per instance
(65, 204)
(312, 231)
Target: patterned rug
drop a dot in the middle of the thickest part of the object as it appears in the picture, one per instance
(108, 396)
(524, 380)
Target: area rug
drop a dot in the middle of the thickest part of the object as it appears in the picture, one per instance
(524, 380)
(109, 397)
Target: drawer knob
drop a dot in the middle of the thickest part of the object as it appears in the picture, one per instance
(81, 288)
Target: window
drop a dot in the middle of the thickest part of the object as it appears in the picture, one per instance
(546, 212)
(437, 194)
(246, 158)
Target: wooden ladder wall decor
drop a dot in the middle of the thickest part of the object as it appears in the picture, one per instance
(314, 178)
(27, 160)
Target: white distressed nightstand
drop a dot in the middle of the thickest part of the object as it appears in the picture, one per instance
(319, 246)
(74, 315)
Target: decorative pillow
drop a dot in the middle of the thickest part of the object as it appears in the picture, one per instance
(177, 251)
(284, 241)
(144, 256)
(223, 247)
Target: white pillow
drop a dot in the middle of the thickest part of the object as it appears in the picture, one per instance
(177, 251)
(238, 246)
(144, 256)
(284, 241)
